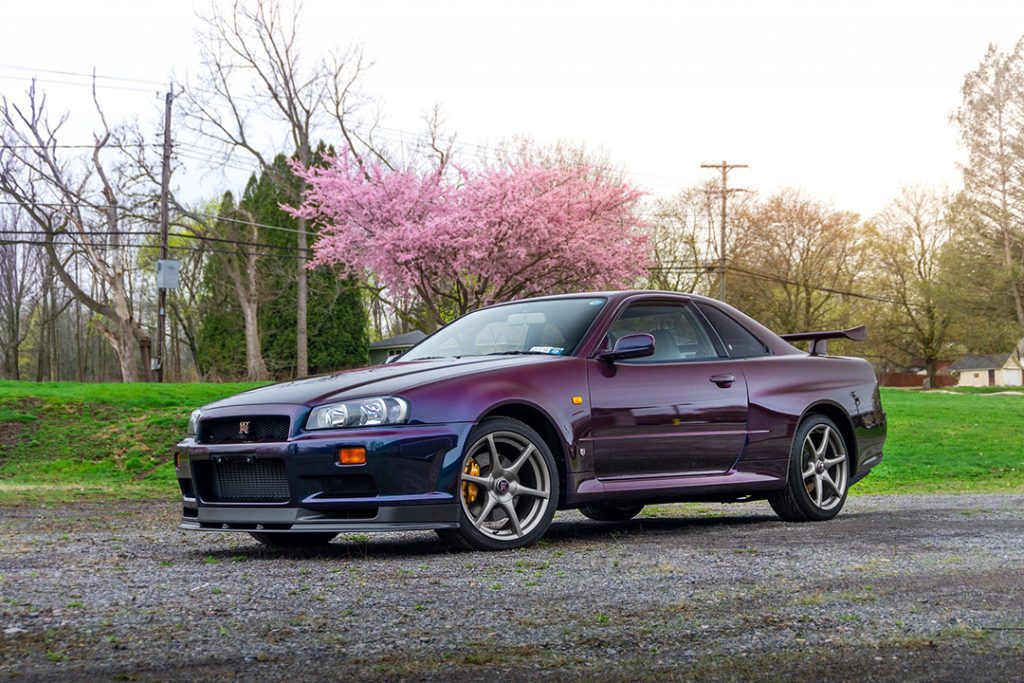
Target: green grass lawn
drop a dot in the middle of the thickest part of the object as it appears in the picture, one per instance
(955, 442)
(69, 441)
(66, 441)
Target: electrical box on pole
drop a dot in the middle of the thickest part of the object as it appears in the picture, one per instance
(168, 274)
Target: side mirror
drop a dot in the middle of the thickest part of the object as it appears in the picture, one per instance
(630, 346)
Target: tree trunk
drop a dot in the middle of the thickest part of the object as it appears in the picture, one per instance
(253, 354)
(932, 368)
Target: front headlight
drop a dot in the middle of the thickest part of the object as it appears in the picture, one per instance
(382, 410)
(193, 422)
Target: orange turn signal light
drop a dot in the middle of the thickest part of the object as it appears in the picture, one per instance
(352, 456)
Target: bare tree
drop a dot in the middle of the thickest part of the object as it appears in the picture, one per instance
(991, 120)
(906, 244)
(19, 288)
(792, 259)
(254, 73)
(77, 200)
(683, 233)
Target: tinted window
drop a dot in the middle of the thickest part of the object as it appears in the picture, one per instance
(738, 342)
(677, 333)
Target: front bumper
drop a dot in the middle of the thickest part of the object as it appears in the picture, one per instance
(441, 515)
(409, 480)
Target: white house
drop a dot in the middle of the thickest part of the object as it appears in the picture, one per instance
(997, 370)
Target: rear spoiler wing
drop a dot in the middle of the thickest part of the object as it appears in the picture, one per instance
(819, 340)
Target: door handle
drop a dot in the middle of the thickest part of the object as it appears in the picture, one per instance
(724, 380)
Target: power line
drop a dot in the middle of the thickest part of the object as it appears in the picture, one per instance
(101, 245)
(79, 73)
(392, 134)
(93, 146)
(102, 86)
(205, 214)
(153, 233)
(776, 278)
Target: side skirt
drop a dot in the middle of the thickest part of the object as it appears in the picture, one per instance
(757, 480)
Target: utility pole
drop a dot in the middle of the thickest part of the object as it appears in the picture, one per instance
(165, 187)
(724, 167)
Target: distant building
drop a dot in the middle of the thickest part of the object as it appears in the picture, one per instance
(996, 370)
(381, 350)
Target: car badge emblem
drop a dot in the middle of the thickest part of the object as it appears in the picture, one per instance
(243, 429)
(502, 486)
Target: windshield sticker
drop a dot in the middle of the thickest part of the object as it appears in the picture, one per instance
(596, 302)
(553, 350)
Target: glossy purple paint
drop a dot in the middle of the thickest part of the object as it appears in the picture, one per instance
(651, 432)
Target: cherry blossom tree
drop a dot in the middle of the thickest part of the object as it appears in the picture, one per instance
(458, 241)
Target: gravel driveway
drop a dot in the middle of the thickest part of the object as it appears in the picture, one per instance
(898, 587)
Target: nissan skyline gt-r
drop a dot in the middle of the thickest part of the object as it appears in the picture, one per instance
(602, 402)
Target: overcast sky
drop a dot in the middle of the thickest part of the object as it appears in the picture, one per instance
(847, 100)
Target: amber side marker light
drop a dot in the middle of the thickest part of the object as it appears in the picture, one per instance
(351, 456)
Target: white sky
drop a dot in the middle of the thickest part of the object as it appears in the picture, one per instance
(847, 100)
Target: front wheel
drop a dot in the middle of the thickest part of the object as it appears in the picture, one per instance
(819, 474)
(508, 488)
(296, 541)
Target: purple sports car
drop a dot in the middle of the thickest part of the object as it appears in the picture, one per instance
(604, 402)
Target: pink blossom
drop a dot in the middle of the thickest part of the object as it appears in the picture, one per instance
(495, 234)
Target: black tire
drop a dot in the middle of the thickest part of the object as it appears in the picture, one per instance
(800, 501)
(611, 512)
(489, 501)
(297, 541)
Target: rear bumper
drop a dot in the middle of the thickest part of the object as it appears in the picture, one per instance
(870, 429)
(409, 481)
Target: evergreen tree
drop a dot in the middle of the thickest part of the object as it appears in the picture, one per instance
(337, 315)
(221, 336)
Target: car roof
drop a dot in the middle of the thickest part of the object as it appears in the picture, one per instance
(774, 341)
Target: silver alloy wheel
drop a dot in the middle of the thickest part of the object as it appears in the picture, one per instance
(510, 495)
(824, 466)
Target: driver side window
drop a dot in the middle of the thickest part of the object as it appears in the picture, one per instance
(678, 336)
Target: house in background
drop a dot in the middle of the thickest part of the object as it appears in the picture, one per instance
(381, 350)
(996, 370)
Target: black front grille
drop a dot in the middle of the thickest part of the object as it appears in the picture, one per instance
(262, 429)
(254, 481)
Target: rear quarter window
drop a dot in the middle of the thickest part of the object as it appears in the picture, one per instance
(739, 343)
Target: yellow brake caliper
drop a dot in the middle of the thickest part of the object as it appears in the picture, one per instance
(469, 489)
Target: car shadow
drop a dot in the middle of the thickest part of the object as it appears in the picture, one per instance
(563, 534)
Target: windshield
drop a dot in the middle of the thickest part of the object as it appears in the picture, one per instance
(551, 327)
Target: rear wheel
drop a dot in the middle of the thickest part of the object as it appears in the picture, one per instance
(819, 473)
(611, 512)
(294, 541)
(508, 488)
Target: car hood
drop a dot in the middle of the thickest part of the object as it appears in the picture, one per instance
(379, 380)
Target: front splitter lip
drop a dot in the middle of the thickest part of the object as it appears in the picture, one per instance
(298, 519)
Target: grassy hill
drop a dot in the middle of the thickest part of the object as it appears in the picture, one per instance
(63, 440)
(69, 441)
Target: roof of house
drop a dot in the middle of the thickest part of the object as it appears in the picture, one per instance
(402, 340)
(990, 362)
